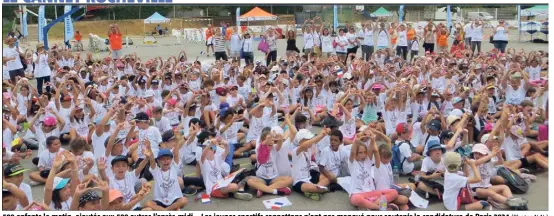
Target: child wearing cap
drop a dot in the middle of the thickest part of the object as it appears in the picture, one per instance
(211, 162)
(486, 161)
(431, 126)
(267, 179)
(167, 193)
(13, 173)
(46, 159)
(454, 182)
(307, 180)
(51, 126)
(57, 191)
(410, 160)
(432, 169)
(517, 149)
(117, 202)
(80, 120)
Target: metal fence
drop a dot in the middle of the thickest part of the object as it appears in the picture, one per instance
(506, 13)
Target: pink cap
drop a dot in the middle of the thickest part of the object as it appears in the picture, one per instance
(488, 127)
(378, 86)
(172, 101)
(49, 121)
(120, 65)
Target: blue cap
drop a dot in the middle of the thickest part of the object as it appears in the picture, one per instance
(223, 105)
(60, 183)
(432, 145)
(164, 152)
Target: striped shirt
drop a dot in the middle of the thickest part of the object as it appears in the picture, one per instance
(219, 43)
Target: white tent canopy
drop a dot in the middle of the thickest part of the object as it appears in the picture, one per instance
(156, 18)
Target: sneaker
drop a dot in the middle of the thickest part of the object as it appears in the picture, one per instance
(524, 170)
(33, 183)
(259, 193)
(497, 205)
(190, 191)
(313, 196)
(243, 196)
(284, 191)
(392, 207)
(516, 202)
(242, 184)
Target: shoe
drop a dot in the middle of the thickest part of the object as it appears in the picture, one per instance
(392, 207)
(243, 196)
(242, 183)
(284, 191)
(516, 202)
(528, 176)
(189, 191)
(524, 170)
(34, 183)
(497, 205)
(259, 193)
(235, 168)
(313, 196)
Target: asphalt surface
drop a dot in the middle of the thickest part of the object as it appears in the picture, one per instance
(537, 194)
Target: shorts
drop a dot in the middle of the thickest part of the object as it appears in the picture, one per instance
(524, 162)
(163, 205)
(44, 173)
(192, 163)
(116, 54)
(267, 181)
(314, 179)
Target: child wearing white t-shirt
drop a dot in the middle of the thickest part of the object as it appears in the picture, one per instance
(453, 183)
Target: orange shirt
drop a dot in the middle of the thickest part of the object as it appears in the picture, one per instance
(443, 40)
(410, 34)
(116, 41)
(228, 33)
(393, 36)
(209, 33)
(78, 37)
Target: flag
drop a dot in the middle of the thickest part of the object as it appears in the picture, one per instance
(238, 19)
(448, 16)
(335, 17)
(68, 23)
(340, 73)
(41, 23)
(206, 199)
(401, 13)
(24, 30)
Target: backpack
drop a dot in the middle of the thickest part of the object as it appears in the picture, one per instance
(514, 181)
(396, 155)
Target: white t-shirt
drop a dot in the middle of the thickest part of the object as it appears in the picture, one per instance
(230, 135)
(163, 124)
(352, 38)
(424, 137)
(10, 53)
(211, 172)
(308, 40)
(269, 169)
(166, 185)
(301, 164)
(402, 38)
(512, 148)
(153, 134)
(332, 160)
(383, 177)
(427, 165)
(65, 205)
(468, 31)
(326, 44)
(515, 96)
(42, 69)
(126, 185)
(405, 153)
(341, 40)
(362, 176)
(477, 33)
(501, 34)
(534, 72)
(283, 165)
(28, 192)
(367, 35)
(452, 185)
(486, 170)
(46, 158)
(382, 38)
(98, 146)
(41, 137)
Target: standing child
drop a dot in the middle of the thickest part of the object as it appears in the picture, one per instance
(414, 47)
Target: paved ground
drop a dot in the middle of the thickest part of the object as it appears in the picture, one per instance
(537, 194)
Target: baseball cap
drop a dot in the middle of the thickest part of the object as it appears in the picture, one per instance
(223, 105)
(142, 116)
(378, 86)
(168, 135)
(13, 170)
(330, 121)
(149, 93)
(164, 152)
(516, 75)
(302, 135)
(17, 141)
(60, 183)
(172, 101)
(120, 158)
(88, 196)
(432, 145)
(49, 121)
(277, 130)
(456, 100)
(221, 91)
(155, 82)
(434, 124)
(402, 128)
(485, 138)
(114, 194)
(452, 161)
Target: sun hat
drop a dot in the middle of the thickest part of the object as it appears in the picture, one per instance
(480, 148)
(451, 119)
(302, 134)
(485, 138)
(457, 112)
(452, 161)
(432, 145)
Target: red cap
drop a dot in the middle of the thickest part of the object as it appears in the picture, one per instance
(172, 101)
(402, 128)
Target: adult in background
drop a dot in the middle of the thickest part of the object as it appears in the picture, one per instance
(429, 37)
(467, 35)
(209, 43)
(247, 48)
(116, 41)
(500, 36)
(12, 59)
(219, 44)
(236, 44)
(271, 39)
(42, 70)
(477, 37)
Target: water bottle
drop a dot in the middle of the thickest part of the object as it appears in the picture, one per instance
(383, 203)
(395, 174)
